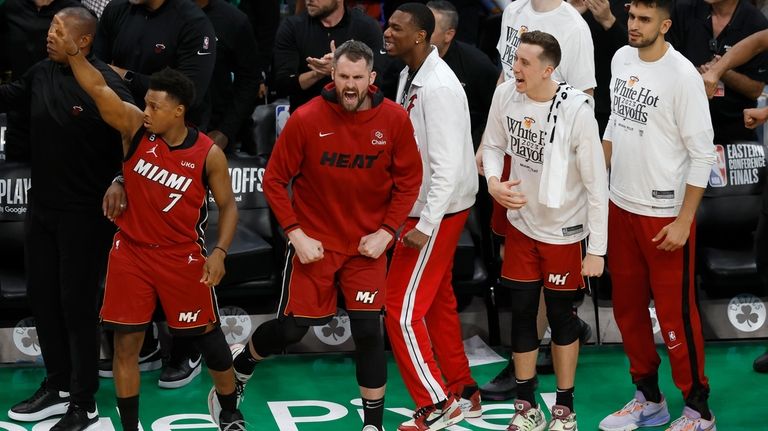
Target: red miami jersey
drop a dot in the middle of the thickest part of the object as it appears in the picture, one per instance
(166, 189)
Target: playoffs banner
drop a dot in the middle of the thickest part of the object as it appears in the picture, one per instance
(739, 169)
(15, 181)
(247, 173)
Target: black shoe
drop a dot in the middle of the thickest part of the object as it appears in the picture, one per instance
(502, 387)
(178, 375)
(77, 419)
(231, 421)
(152, 361)
(43, 404)
(761, 363)
(585, 333)
(544, 364)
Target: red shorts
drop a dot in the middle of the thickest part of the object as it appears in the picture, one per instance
(310, 293)
(499, 221)
(139, 274)
(529, 263)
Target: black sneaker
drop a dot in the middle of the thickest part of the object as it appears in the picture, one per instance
(176, 376)
(761, 363)
(77, 419)
(502, 387)
(585, 333)
(231, 421)
(544, 364)
(43, 404)
(152, 361)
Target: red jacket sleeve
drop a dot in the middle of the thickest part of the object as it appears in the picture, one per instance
(284, 164)
(406, 174)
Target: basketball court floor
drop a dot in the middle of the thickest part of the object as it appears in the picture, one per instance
(319, 393)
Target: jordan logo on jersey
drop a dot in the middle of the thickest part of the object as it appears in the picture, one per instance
(162, 176)
(152, 151)
(191, 259)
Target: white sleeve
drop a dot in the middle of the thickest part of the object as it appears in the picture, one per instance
(577, 66)
(590, 161)
(445, 136)
(494, 139)
(692, 118)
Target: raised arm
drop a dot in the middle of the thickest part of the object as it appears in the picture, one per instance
(124, 117)
(739, 54)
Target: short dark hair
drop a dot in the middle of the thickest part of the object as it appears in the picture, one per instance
(355, 51)
(175, 83)
(84, 19)
(665, 5)
(421, 16)
(550, 48)
(448, 10)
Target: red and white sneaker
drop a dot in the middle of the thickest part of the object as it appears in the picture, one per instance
(470, 407)
(431, 418)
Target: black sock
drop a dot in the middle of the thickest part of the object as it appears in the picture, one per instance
(373, 412)
(468, 391)
(129, 412)
(564, 397)
(698, 400)
(525, 391)
(244, 363)
(228, 402)
(649, 386)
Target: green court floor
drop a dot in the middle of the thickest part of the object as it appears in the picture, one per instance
(318, 392)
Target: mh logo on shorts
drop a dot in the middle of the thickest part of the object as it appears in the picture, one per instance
(188, 316)
(558, 279)
(366, 297)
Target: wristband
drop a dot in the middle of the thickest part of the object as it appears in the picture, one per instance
(76, 52)
(223, 251)
(119, 179)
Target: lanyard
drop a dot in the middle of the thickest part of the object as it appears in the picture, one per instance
(407, 88)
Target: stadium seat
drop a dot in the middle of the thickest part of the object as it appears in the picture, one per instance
(727, 219)
(255, 255)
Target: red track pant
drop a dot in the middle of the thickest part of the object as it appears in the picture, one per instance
(421, 315)
(639, 270)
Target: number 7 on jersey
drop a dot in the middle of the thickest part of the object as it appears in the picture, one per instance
(174, 199)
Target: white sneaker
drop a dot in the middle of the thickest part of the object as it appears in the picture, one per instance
(527, 418)
(563, 419)
(691, 420)
(431, 418)
(637, 413)
(470, 407)
(214, 407)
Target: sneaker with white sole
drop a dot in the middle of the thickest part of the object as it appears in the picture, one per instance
(78, 419)
(470, 407)
(563, 419)
(527, 418)
(637, 413)
(691, 420)
(431, 418)
(175, 376)
(149, 362)
(43, 404)
(214, 407)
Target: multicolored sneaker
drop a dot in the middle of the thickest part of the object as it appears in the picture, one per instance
(691, 420)
(431, 418)
(470, 407)
(563, 419)
(214, 407)
(527, 418)
(637, 413)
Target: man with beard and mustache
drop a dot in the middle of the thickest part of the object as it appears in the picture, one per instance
(354, 168)
(303, 52)
(658, 143)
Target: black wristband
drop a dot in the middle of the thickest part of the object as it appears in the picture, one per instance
(224, 251)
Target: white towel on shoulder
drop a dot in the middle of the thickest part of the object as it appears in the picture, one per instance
(560, 122)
